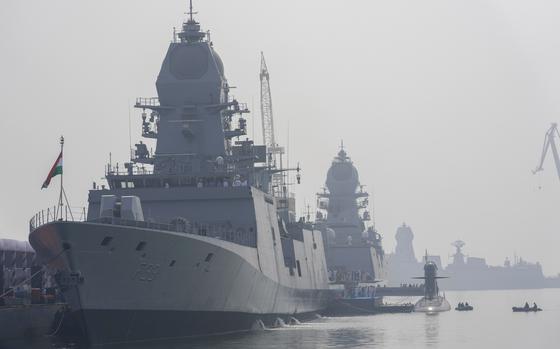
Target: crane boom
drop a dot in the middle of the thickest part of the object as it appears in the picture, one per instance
(549, 142)
(266, 107)
(274, 151)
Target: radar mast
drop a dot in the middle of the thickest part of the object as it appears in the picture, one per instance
(191, 29)
(458, 257)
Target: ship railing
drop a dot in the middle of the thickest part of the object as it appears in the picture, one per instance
(57, 213)
(135, 172)
(132, 223)
(222, 230)
(218, 230)
(147, 102)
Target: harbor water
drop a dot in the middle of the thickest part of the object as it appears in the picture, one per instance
(492, 324)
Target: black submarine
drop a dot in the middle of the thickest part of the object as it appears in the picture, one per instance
(432, 302)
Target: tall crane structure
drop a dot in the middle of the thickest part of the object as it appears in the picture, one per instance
(549, 142)
(267, 115)
(274, 152)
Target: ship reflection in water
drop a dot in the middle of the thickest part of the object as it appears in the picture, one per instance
(490, 325)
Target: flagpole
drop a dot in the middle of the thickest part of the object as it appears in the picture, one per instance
(60, 202)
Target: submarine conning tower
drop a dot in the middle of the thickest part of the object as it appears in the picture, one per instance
(430, 277)
(193, 117)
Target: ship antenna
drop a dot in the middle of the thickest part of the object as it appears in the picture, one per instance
(129, 123)
(191, 29)
(373, 207)
(191, 13)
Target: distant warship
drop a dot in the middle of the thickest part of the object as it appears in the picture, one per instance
(354, 250)
(432, 302)
(472, 273)
(466, 273)
(192, 239)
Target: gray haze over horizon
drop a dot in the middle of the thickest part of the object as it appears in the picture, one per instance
(442, 105)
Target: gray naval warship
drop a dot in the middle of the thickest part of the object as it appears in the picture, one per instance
(192, 239)
(466, 272)
(473, 273)
(354, 250)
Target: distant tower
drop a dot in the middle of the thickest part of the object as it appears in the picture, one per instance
(404, 250)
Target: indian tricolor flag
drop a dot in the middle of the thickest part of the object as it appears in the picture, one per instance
(55, 170)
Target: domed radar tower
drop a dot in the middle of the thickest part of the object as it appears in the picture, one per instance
(404, 251)
(344, 201)
(403, 262)
(353, 243)
(194, 119)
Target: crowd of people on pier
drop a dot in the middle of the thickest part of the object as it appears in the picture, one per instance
(411, 285)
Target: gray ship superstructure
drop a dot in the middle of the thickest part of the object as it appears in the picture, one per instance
(354, 250)
(402, 264)
(191, 239)
(472, 273)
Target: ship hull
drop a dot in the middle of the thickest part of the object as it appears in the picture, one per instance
(125, 326)
(436, 305)
(149, 285)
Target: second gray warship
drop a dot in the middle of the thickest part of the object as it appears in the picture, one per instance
(473, 273)
(354, 250)
(192, 239)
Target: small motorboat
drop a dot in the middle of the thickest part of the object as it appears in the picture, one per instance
(525, 309)
(464, 307)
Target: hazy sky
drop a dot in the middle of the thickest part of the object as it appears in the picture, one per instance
(442, 105)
